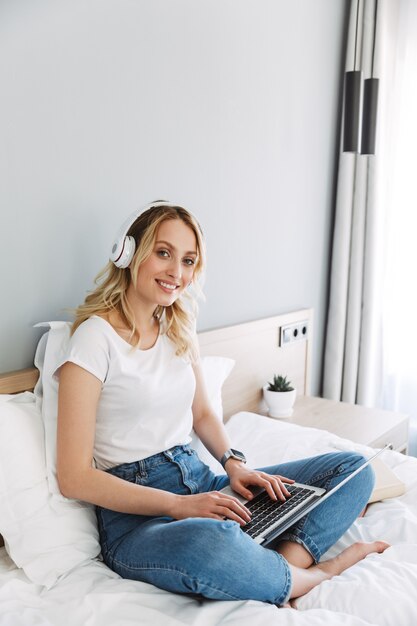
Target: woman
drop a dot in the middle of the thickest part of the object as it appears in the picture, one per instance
(131, 389)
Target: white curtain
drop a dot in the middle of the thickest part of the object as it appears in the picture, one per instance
(352, 361)
(400, 280)
(371, 344)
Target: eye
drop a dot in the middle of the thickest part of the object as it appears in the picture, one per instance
(189, 261)
(163, 253)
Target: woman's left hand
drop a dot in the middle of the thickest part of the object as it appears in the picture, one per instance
(241, 477)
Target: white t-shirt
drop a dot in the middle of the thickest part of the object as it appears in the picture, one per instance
(145, 401)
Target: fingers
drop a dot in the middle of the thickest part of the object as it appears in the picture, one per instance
(230, 514)
(275, 488)
(273, 485)
(285, 480)
(228, 507)
(235, 510)
(282, 480)
(246, 493)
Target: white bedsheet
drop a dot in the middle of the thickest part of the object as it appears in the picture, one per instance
(379, 591)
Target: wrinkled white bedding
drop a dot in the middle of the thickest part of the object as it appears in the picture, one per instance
(381, 590)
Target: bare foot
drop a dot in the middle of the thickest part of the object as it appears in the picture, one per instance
(305, 579)
(356, 552)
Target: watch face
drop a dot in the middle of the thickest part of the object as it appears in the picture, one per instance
(238, 454)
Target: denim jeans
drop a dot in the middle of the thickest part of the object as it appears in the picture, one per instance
(213, 558)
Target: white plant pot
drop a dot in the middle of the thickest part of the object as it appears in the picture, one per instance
(279, 403)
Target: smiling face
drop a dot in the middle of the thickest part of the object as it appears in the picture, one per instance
(169, 269)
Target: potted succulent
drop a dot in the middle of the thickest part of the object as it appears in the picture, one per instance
(279, 396)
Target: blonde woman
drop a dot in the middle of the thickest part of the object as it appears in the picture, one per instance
(131, 389)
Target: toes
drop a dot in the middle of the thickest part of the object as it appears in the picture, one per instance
(375, 546)
(382, 546)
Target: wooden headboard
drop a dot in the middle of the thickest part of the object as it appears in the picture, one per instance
(257, 350)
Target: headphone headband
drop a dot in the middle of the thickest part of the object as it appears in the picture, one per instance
(124, 246)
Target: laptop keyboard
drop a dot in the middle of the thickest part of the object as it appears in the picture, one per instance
(266, 511)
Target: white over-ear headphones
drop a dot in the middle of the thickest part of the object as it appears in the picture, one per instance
(124, 246)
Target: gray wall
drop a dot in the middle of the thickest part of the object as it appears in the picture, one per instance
(230, 107)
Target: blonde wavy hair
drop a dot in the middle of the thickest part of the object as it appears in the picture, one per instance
(112, 284)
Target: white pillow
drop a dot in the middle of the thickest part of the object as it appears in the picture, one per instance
(51, 350)
(215, 371)
(44, 535)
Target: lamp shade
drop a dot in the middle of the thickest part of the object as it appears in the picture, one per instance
(369, 115)
(352, 111)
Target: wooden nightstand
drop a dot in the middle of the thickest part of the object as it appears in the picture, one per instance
(371, 427)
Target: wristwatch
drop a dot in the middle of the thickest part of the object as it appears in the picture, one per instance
(232, 454)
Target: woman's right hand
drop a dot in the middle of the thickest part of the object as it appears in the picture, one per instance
(212, 504)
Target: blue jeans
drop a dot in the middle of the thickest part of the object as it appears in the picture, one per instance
(213, 558)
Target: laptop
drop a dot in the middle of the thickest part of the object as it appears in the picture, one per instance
(270, 518)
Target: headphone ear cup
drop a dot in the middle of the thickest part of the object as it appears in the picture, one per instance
(124, 246)
(127, 253)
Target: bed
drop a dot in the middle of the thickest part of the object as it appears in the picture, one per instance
(51, 573)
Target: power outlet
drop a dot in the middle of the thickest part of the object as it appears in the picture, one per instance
(293, 332)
